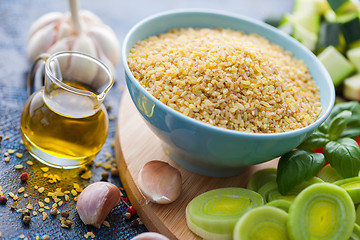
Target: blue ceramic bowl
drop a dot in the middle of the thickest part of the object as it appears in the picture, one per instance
(200, 147)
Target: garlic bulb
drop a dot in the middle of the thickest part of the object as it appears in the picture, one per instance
(150, 236)
(79, 30)
(96, 201)
(160, 182)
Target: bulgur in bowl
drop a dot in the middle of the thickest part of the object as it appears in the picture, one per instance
(223, 92)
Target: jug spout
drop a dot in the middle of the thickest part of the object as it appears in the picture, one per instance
(76, 84)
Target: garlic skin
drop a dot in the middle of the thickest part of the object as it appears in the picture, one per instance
(150, 236)
(96, 201)
(54, 32)
(160, 182)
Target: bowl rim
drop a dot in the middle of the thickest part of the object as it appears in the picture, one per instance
(204, 125)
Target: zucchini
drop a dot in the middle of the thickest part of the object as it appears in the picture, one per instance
(262, 223)
(337, 65)
(321, 211)
(351, 30)
(351, 88)
(213, 214)
(352, 187)
(330, 34)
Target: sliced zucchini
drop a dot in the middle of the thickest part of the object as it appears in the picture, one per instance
(262, 223)
(281, 204)
(351, 88)
(355, 235)
(352, 187)
(329, 174)
(322, 211)
(337, 65)
(259, 178)
(213, 214)
(330, 34)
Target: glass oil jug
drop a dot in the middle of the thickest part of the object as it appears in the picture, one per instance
(64, 124)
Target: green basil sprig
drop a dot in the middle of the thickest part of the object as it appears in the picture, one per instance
(336, 135)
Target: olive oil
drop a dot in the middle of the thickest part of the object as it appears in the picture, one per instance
(70, 132)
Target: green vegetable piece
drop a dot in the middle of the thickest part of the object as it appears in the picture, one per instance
(352, 187)
(259, 178)
(338, 124)
(351, 30)
(261, 223)
(321, 211)
(336, 4)
(329, 174)
(213, 214)
(357, 219)
(337, 65)
(296, 167)
(355, 235)
(270, 191)
(353, 127)
(352, 87)
(317, 139)
(281, 204)
(329, 34)
(354, 57)
(344, 156)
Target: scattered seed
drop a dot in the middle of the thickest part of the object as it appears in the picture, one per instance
(68, 222)
(41, 204)
(127, 215)
(25, 212)
(60, 203)
(10, 151)
(6, 137)
(15, 197)
(41, 189)
(86, 175)
(45, 215)
(44, 169)
(82, 170)
(114, 172)
(34, 213)
(73, 192)
(66, 197)
(47, 200)
(26, 195)
(13, 205)
(54, 205)
(19, 166)
(21, 190)
(11, 194)
(106, 223)
(29, 206)
(47, 207)
(21, 236)
(26, 219)
(41, 210)
(30, 163)
(64, 214)
(98, 164)
(104, 176)
(19, 155)
(134, 223)
(53, 211)
(46, 237)
(6, 159)
(3, 199)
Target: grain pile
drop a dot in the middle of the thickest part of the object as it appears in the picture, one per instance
(228, 79)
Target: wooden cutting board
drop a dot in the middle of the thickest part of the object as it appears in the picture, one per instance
(135, 145)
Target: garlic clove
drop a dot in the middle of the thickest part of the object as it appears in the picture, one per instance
(150, 236)
(160, 182)
(90, 17)
(83, 71)
(41, 41)
(96, 201)
(44, 20)
(106, 40)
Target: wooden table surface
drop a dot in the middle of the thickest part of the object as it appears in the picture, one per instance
(16, 17)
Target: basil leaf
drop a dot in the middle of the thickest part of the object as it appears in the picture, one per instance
(338, 124)
(316, 140)
(353, 127)
(296, 167)
(344, 156)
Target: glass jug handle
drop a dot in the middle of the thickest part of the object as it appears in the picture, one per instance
(37, 72)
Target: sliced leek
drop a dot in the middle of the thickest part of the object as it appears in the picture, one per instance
(262, 223)
(259, 178)
(329, 174)
(321, 211)
(355, 235)
(281, 204)
(352, 186)
(213, 214)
